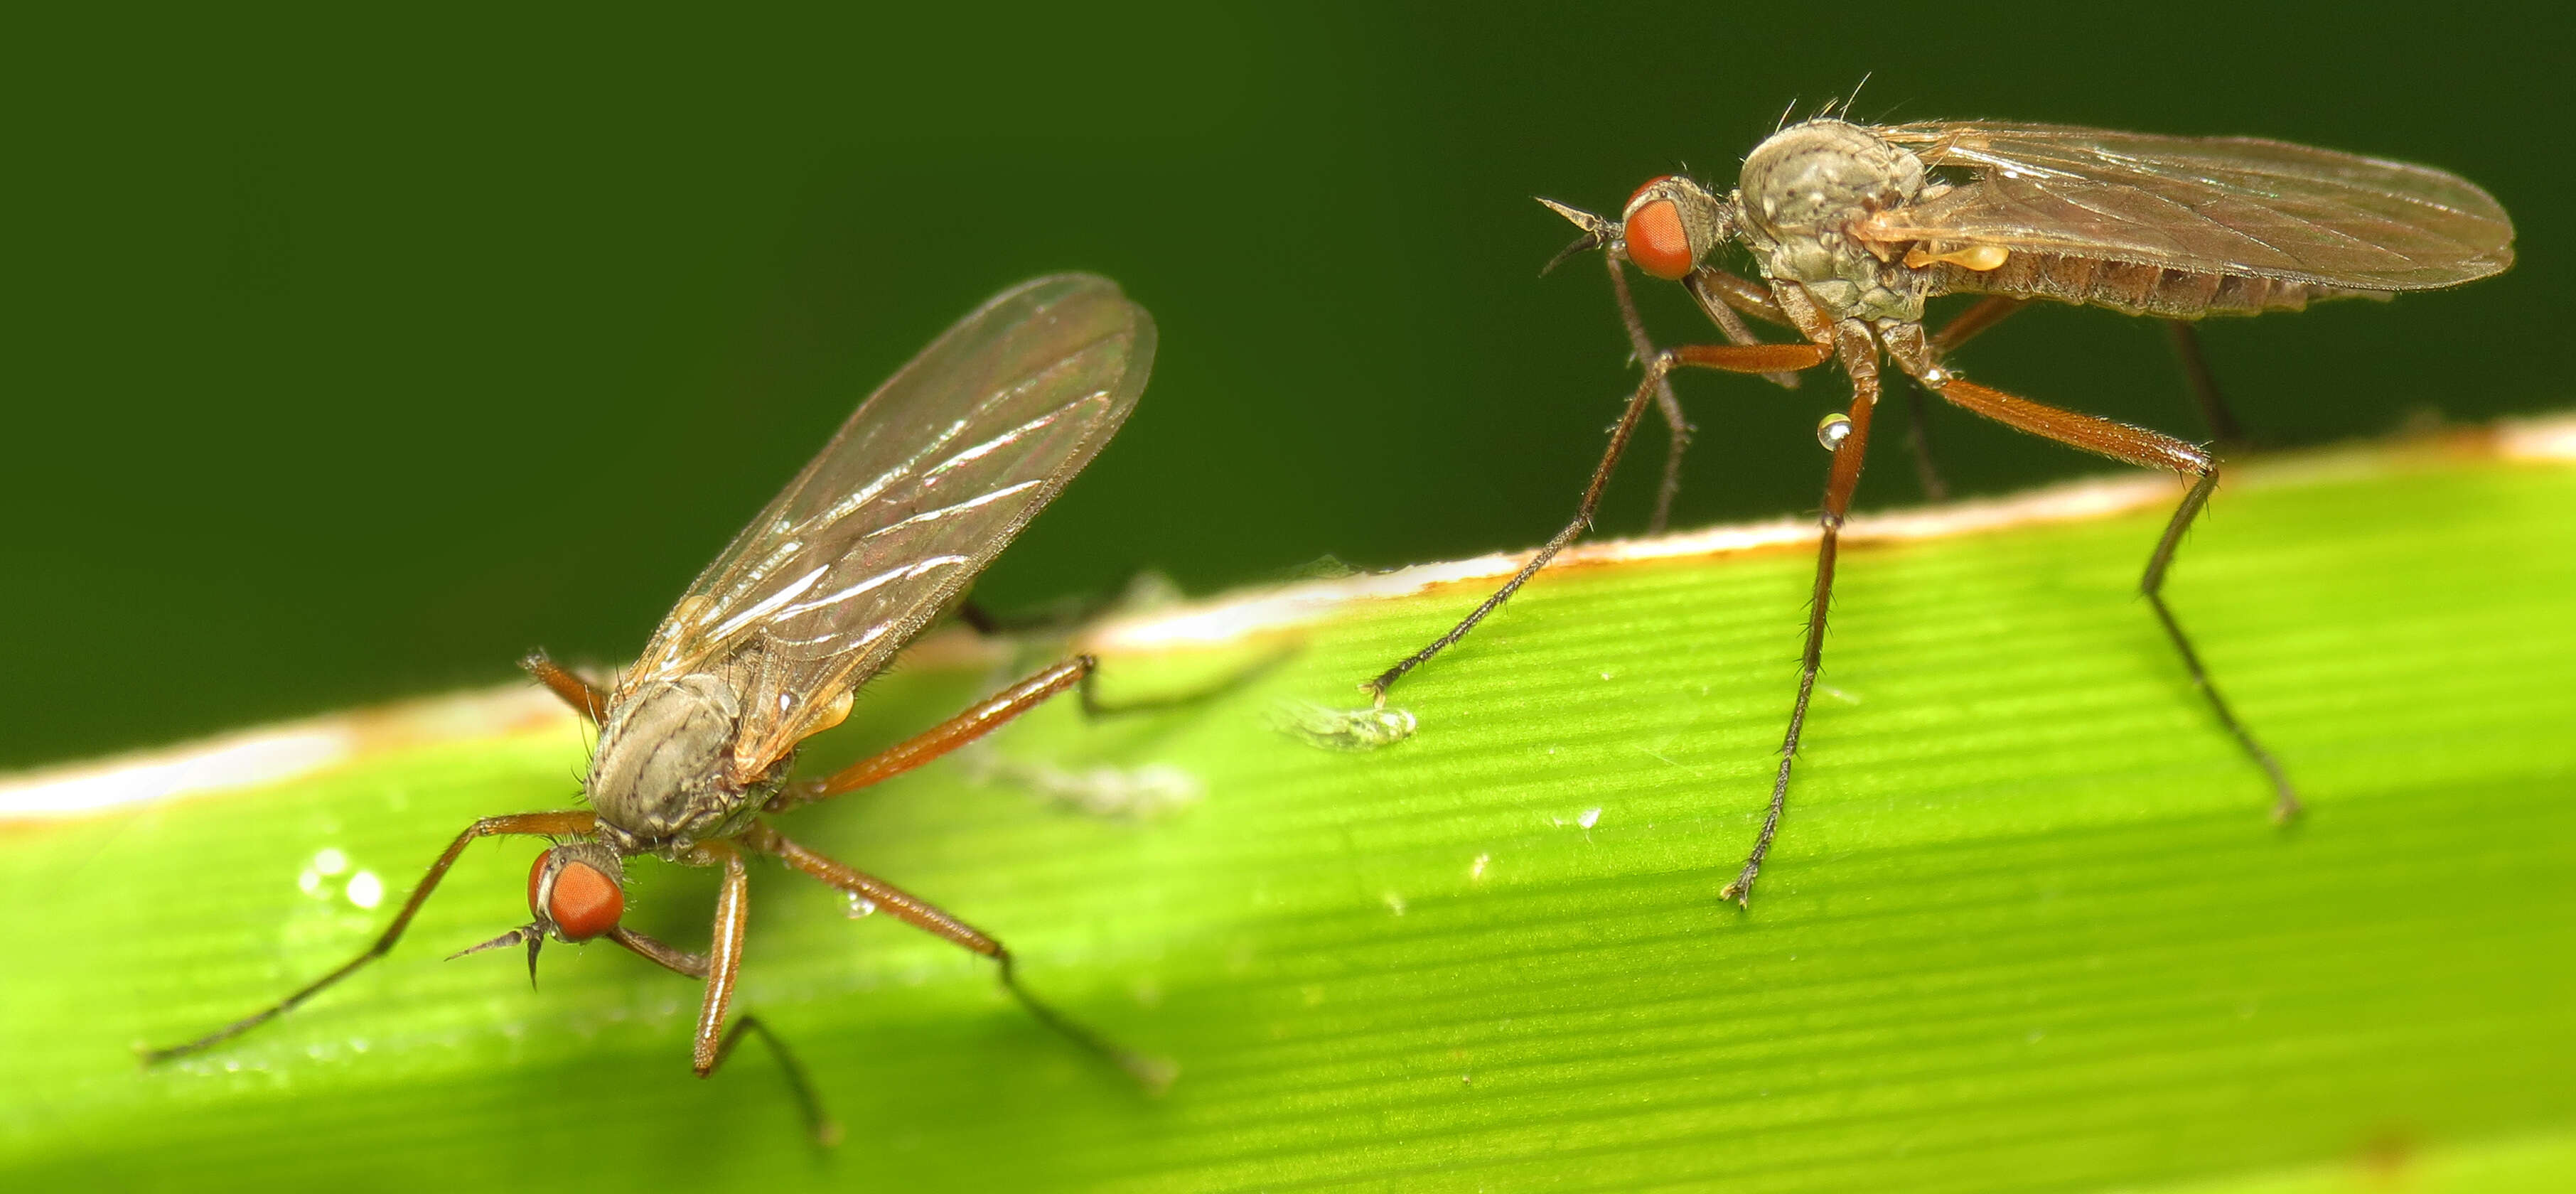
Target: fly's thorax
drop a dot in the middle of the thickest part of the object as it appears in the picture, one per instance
(1799, 195)
(662, 775)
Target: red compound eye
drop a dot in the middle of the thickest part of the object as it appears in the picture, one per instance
(584, 902)
(1655, 238)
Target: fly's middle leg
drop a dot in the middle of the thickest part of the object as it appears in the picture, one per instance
(1152, 1073)
(1859, 353)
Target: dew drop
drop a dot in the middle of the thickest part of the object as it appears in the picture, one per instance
(861, 906)
(366, 890)
(1834, 430)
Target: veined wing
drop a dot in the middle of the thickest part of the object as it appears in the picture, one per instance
(915, 494)
(2228, 205)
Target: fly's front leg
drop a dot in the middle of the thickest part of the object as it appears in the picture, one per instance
(557, 825)
(720, 966)
(1918, 442)
(1153, 1073)
(2129, 445)
(818, 1122)
(1720, 295)
(1859, 353)
(1676, 421)
(1733, 358)
(724, 954)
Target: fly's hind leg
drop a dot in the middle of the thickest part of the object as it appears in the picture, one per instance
(1066, 619)
(1993, 309)
(2129, 445)
(2205, 393)
(984, 717)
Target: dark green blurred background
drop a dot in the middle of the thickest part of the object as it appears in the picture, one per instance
(353, 354)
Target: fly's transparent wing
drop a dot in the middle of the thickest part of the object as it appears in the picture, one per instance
(915, 494)
(2227, 205)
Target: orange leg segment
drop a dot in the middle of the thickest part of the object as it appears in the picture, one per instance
(724, 954)
(986, 716)
(1859, 353)
(818, 1122)
(911, 909)
(2146, 449)
(567, 687)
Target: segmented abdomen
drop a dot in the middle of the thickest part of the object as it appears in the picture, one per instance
(2137, 289)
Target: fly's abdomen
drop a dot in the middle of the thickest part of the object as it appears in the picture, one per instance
(2135, 289)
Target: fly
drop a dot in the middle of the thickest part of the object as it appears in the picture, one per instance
(878, 536)
(1852, 227)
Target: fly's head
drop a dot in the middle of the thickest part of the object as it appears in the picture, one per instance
(1800, 194)
(577, 891)
(1672, 224)
(662, 777)
(1669, 226)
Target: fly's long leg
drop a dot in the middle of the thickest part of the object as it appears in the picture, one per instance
(2146, 449)
(1967, 325)
(1963, 327)
(1056, 617)
(571, 689)
(2185, 336)
(561, 824)
(1676, 421)
(2204, 384)
(1734, 358)
(1993, 309)
(1718, 299)
(1714, 288)
(1095, 706)
(921, 914)
(722, 965)
(818, 1122)
(1918, 440)
(668, 957)
(1859, 353)
(1718, 293)
(825, 1130)
(984, 718)
(724, 955)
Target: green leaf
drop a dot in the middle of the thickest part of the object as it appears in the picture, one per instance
(2027, 925)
